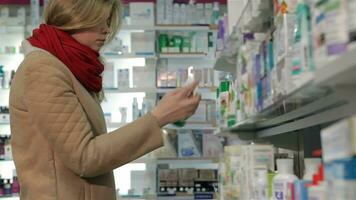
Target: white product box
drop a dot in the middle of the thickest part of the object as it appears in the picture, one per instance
(35, 12)
(336, 36)
(142, 13)
(162, 73)
(108, 77)
(202, 42)
(212, 146)
(143, 43)
(143, 77)
(339, 140)
(123, 77)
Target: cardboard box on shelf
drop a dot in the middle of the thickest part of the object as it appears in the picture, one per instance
(142, 13)
(212, 146)
(109, 75)
(339, 140)
(140, 72)
(143, 43)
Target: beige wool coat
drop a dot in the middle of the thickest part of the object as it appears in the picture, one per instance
(60, 146)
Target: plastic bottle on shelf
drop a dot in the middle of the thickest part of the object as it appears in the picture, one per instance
(15, 187)
(215, 14)
(8, 150)
(261, 185)
(135, 110)
(2, 77)
(35, 12)
(191, 12)
(283, 180)
(7, 187)
(208, 12)
(183, 14)
(2, 147)
(2, 191)
(176, 14)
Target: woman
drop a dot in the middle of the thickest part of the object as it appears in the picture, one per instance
(59, 146)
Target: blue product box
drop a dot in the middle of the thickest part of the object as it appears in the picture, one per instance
(341, 169)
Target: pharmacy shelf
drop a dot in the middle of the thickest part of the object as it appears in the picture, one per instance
(169, 27)
(10, 198)
(192, 127)
(185, 28)
(154, 90)
(199, 90)
(137, 28)
(189, 197)
(343, 75)
(183, 55)
(6, 161)
(131, 90)
(256, 21)
(12, 29)
(328, 96)
(198, 159)
(129, 56)
(11, 54)
(168, 160)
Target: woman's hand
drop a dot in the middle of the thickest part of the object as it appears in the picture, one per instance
(177, 105)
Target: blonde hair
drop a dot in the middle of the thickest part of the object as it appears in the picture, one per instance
(73, 15)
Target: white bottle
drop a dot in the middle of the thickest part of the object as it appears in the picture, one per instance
(282, 181)
(35, 12)
(311, 168)
(190, 78)
(144, 106)
(261, 185)
(135, 110)
(176, 14)
(208, 12)
(183, 14)
(191, 12)
(215, 14)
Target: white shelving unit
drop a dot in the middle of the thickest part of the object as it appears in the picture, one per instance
(147, 91)
(331, 90)
(192, 127)
(183, 55)
(324, 97)
(128, 56)
(169, 28)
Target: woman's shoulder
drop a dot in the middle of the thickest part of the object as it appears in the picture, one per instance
(42, 62)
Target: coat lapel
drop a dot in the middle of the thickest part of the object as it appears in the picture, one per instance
(91, 106)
